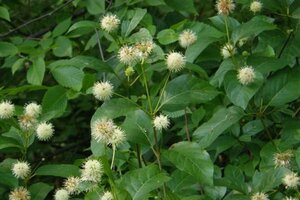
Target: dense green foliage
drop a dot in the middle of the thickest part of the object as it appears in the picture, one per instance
(227, 133)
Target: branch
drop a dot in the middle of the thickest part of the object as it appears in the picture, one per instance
(36, 19)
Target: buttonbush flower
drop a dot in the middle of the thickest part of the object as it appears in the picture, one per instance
(32, 109)
(256, 6)
(225, 7)
(103, 129)
(144, 49)
(187, 38)
(246, 75)
(44, 131)
(161, 122)
(103, 90)
(27, 122)
(61, 194)
(19, 193)
(291, 180)
(21, 169)
(283, 159)
(107, 196)
(175, 61)
(259, 196)
(7, 109)
(128, 55)
(228, 50)
(92, 171)
(71, 184)
(110, 23)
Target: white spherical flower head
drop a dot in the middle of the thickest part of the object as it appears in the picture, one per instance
(107, 196)
(283, 159)
(117, 137)
(175, 61)
(187, 38)
(103, 90)
(92, 171)
(61, 194)
(246, 75)
(291, 180)
(20, 193)
(144, 49)
(27, 122)
(103, 130)
(290, 198)
(33, 109)
(161, 122)
(259, 196)
(128, 55)
(7, 109)
(110, 23)
(256, 6)
(228, 50)
(21, 169)
(225, 7)
(44, 131)
(71, 184)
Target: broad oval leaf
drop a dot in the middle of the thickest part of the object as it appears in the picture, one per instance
(61, 170)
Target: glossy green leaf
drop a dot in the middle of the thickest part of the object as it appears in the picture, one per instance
(137, 17)
(62, 47)
(7, 49)
(192, 159)
(62, 27)
(39, 190)
(36, 72)
(4, 14)
(167, 36)
(60, 170)
(95, 7)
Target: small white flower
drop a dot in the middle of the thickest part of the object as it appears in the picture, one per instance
(291, 180)
(259, 196)
(61, 194)
(290, 198)
(7, 109)
(187, 38)
(144, 49)
(161, 122)
(283, 159)
(246, 75)
(117, 137)
(110, 23)
(128, 55)
(107, 196)
(33, 109)
(228, 50)
(27, 122)
(225, 7)
(21, 169)
(20, 193)
(175, 61)
(71, 184)
(256, 6)
(103, 90)
(103, 130)
(92, 171)
(44, 131)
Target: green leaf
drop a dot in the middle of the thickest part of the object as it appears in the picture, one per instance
(181, 182)
(98, 149)
(187, 5)
(60, 170)
(253, 27)
(192, 159)
(36, 72)
(62, 47)
(140, 182)
(39, 191)
(218, 78)
(137, 17)
(6, 142)
(17, 65)
(240, 94)
(95, 7)
(68, 76)
(4, 14)
(7, 49)
(282, 88)
(167, 36)
(208, 132)
(54, 102)
(82, 27)
(7, 178)
(186, 89)
(62, 27)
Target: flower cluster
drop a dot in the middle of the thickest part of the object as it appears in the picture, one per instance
(7, 109)
(161, 122)
(19, 193)
(175, 61)
(259, 196)
(187, 38)
(21, 169)
(103, 90)
(225, 7)
(246, 75)
(110, 23)
(283, 159)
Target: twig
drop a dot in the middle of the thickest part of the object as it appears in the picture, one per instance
(285, 44)
(99, 45)
(36, 19)
(186, 126)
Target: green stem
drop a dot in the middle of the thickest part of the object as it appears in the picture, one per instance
(113, 156)
(226, 27)
(161, 94)
(147, 89)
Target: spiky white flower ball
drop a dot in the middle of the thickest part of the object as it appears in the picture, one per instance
(7, 109)
(290, 198)
(107, 196)
(128, 55)
(161, 122)
(21, 169)
(27, 122)
(61, 194)
(110, 23)
(144, 49)
(291, 180)
(187, 38)
(117, 137)
(44, 131)
(92, 171)
(32, 109)
(246, 75)
(103, 130)
(256, 6)
(225, 7)
(103, 90)
(283, 159)
(259, 196)
(19, 193)
(228, 50)
(175, 61)
(71, 184)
